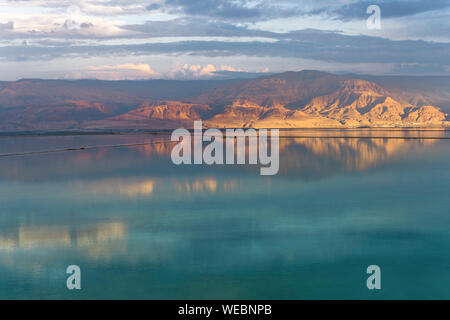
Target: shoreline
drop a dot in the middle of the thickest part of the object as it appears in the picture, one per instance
(160, 132)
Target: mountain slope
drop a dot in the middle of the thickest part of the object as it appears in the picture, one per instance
(359, 102)
(158, 115)
(293, 99)
(289, 89)
(353, 103)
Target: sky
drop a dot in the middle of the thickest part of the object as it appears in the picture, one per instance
(205, 39)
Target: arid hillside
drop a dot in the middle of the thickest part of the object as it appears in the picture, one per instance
(305, 99)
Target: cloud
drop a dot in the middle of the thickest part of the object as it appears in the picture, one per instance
(235, 10)
(69, 22)
(389, 9)
(137, 19)
(187, 71)
(110, 32)
(90, 7)
(244, 11)
(259, 10)
(153, 6)
(305, 44)
(182, 27)
(126, 71)
(216, 8)
(7, 26)
(131, 71)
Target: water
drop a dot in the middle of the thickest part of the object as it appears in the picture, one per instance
(140, 227)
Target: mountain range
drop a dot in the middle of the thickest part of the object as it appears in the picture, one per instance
(305, 99)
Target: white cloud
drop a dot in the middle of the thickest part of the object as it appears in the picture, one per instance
(125, 71)
(142, 71)
(196, 71)
(69, 21)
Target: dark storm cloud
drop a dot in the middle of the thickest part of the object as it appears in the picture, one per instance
(308, 44)
(389, 9)
(216, 8)
(236, 10)
(153, 6)
(195, 28)
(243, 11)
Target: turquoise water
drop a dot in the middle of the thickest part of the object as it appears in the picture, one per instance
(140, 227)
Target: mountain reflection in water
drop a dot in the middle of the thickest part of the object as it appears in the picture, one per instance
(300, 157)
(141, 227)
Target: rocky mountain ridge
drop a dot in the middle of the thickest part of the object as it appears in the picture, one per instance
(306, 99)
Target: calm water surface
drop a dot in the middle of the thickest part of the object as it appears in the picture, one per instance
(142, 228)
